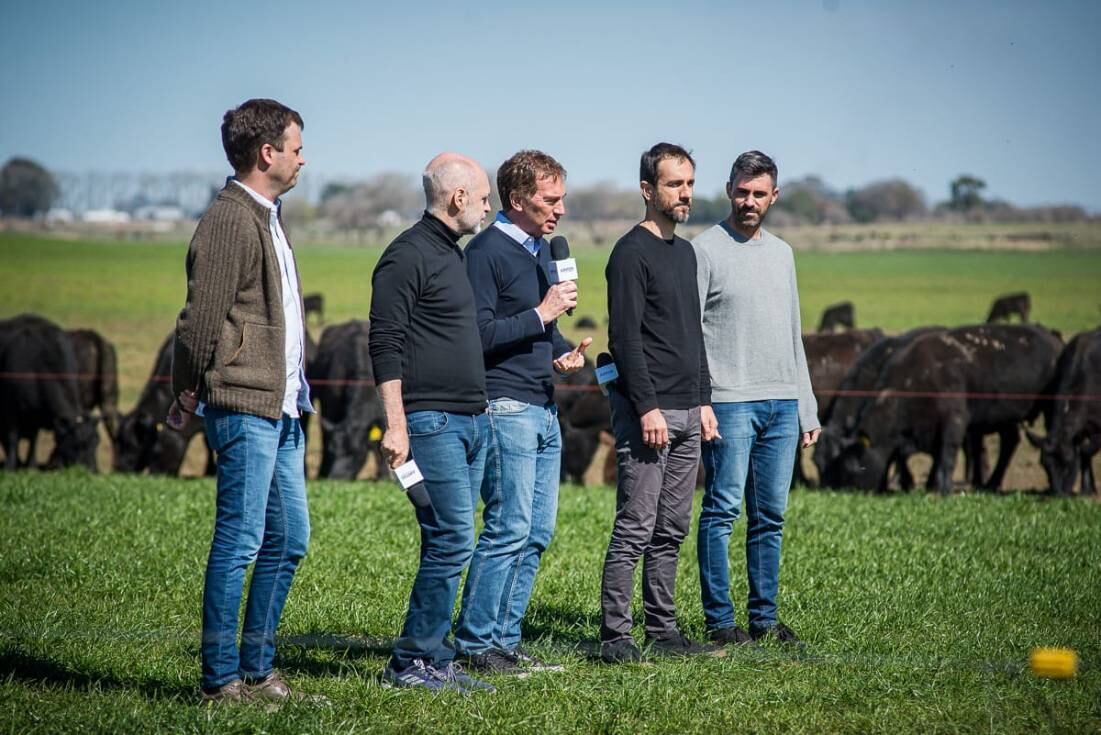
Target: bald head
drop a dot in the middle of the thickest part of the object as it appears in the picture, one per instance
(456, 189)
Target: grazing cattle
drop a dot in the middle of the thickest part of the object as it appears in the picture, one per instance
(39, 391)
(143, 440)
(314, 303)
(829, 357)
(1008, 305)
(837, 315)
(1073, 426)
(582, 414)
(839, 415)
(97, 364)
(952, 379)
(352, 417)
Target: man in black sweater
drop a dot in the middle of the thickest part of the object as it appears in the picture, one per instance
(660, 408)
(427, 359)
(517, 305)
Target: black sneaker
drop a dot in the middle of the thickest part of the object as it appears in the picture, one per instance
(530, 663)
(622, 651)
(733, 636)
(675, 644)
(454, 675)
(495, 663)
(777, 632)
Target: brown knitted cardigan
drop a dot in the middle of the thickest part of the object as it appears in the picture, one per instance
(230, 333)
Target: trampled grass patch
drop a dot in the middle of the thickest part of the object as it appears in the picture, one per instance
(919, 613)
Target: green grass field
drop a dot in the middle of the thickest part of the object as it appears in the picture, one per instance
(132, 291)
(918, 612)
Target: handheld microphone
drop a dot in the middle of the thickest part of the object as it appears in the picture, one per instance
(606, 372)
(563, 267)
(412, 482)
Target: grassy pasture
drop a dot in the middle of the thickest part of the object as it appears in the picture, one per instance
(132, 291)
(919, 614)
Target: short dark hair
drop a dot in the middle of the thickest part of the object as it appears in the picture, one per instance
(753, 164)
(255, 123)
(522, 172)
(648, 167)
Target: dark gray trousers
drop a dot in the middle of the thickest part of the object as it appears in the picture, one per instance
(653, 513)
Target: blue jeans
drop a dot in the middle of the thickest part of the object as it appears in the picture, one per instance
(450, 450)
(754, 459)
(260, 517)
(520, 491)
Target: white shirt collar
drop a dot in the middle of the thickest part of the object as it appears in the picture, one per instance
(505, 225)
(257, 196)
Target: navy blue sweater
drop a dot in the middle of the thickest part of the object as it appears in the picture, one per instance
(508, 284)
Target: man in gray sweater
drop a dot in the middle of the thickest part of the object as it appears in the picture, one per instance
(761, 396)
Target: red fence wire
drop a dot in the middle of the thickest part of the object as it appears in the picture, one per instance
(566, 388)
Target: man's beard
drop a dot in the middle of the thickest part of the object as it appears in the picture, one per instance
(740, 218)
(674, 216)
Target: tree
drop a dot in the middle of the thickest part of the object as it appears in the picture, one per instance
(26, 188)
(965, 191)
(893, 199)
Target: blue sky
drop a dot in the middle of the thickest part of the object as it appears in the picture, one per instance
(851, 91)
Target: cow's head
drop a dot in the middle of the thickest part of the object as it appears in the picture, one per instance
(831, 445)
(77, 440)
(862, 465)
(134, 441)
(1059, 460)
(344, 447)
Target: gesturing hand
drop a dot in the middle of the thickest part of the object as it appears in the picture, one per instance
(573, 360)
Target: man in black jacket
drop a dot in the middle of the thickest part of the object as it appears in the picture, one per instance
(427, 358)
(660, 408)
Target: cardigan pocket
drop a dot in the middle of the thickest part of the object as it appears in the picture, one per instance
(258, 362)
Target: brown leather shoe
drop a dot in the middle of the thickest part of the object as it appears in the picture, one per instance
(231, 692)
(273, 688)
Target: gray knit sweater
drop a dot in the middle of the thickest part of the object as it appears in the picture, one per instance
(230, 342)
(751, 325)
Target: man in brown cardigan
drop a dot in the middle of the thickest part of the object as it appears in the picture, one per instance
(238, 362)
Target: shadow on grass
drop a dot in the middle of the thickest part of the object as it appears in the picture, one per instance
(299, 652)
(27, 668)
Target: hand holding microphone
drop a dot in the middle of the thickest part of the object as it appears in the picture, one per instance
(564, 275)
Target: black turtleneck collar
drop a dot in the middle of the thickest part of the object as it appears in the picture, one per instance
(438, 226)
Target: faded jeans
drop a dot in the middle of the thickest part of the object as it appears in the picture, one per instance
(260, 517)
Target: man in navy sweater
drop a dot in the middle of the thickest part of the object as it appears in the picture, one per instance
(517, 304)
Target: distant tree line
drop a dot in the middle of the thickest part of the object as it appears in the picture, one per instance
(27, 189)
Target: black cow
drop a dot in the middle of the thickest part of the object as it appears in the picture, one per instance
(583, 413)
(314, 303)
(839, 415)
(1008, 305)
(39, 391)
(954, 378)
(352, 417)
(97, 363)
(829, 358)
(143, 440)
(837, 315)
(1074, 426)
